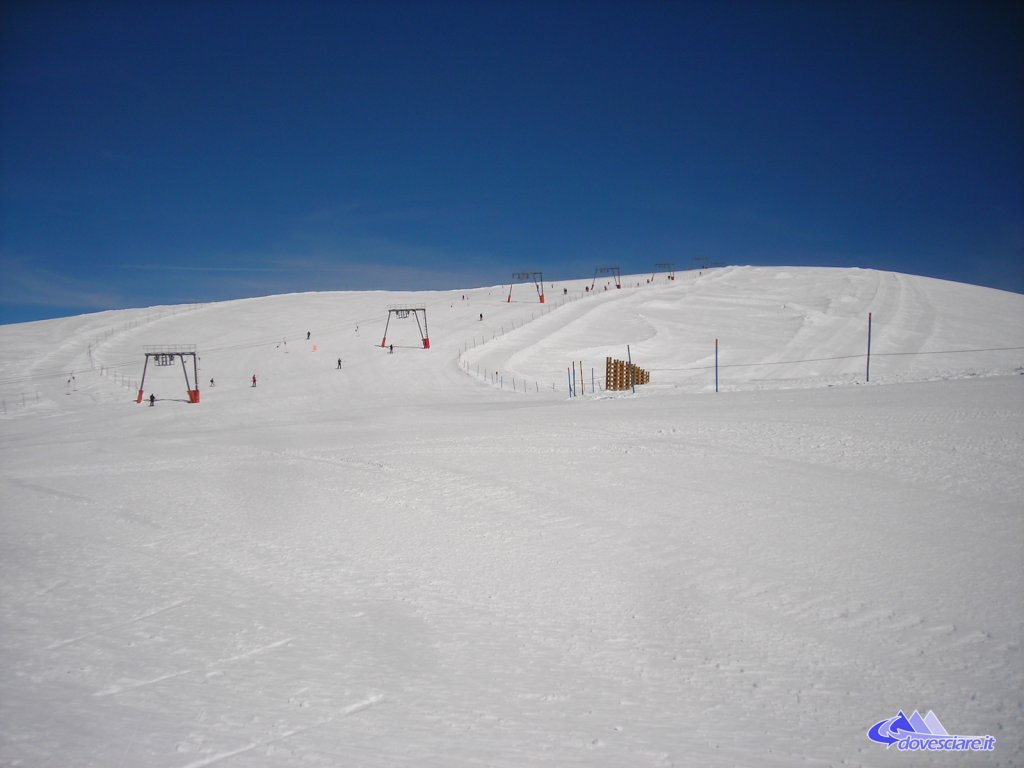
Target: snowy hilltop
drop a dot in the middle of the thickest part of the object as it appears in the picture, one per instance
(419, 528)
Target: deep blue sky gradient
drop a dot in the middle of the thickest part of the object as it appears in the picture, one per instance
(188, 151)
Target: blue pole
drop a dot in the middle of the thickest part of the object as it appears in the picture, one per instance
(867, 370)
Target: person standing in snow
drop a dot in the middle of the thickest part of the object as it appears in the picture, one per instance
(254, 379)
(307, 335)
(152, 400)
(339, 362)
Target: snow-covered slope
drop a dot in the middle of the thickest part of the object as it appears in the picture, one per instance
(436, 557)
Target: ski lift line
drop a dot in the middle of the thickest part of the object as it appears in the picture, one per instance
(132, 363)
(288, 334)
(251, 344)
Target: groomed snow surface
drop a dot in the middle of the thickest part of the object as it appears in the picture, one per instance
(410, 560)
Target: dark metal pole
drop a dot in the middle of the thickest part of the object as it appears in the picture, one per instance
(629, 357)
(184, 370)
(867, 370)
(716, 365)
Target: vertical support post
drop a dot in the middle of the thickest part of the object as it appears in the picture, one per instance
(384, 341)
(867, 370)
(629, 358)
(143, 382)
(195, 378)
(569, 377)
(716, 365)
(583, 382)
(188, 386)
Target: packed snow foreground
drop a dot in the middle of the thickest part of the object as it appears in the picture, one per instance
(436, 557)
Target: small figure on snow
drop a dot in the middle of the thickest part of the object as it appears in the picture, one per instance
(339, 362)
(481, 315)
(152, 400)
(307, 335)
(391, 349)
(211, 382)
(254, 379)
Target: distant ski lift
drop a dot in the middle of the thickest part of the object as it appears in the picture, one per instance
(403, 313)
(167, 354)
(537, 278)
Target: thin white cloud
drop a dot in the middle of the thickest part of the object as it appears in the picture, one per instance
(197, 268)
(28, 284)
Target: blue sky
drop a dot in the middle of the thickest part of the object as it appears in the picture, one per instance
(179, 152)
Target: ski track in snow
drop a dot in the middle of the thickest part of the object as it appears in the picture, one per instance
(141, 617)
(671, 578)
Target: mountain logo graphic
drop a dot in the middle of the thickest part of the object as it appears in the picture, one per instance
(916, 733)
